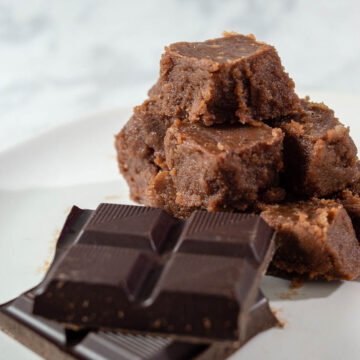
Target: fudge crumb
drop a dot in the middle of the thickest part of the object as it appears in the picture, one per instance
(112, 197)
(157, 323)
(297, 127)
(282, 323)
(288, 295)
(297, 282)
(207, 323)
(302, 216)
(60, 284)
(46, 265)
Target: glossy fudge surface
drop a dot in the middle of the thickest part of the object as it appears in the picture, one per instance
(315, 239)
(319, 155)
(230, 79)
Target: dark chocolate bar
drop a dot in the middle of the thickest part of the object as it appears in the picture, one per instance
(53, 341)
(137, 268)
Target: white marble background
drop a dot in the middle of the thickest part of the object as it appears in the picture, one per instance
(63, 59)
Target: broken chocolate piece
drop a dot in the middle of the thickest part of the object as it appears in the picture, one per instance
(315, 239)
(52, 340)
(123, 274)
(233, 78)
(319, 154)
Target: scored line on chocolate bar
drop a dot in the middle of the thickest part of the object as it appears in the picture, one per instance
(224, 234)
(221, 233)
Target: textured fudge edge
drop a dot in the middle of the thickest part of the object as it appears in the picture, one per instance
(289, 242)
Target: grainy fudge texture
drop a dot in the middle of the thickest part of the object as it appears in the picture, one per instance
(319, 154)
(233, 78)
(194, 166)
(220, 167)
(350, 200)
(140, 148)
(315, 239)
(162, 193)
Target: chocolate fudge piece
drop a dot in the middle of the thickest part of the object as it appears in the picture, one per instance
(350, 200)
(231, 165)
(319, 154)
(222, 167)
(162, 193)
(52, 340)
(233, 78)
(130, 266)
(140, 148)
(315, 239)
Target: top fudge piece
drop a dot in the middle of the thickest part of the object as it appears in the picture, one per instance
(226, 79)
(319, 154)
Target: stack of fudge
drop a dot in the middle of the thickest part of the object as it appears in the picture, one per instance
(223, 130)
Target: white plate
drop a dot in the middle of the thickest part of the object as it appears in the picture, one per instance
(75, 164)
